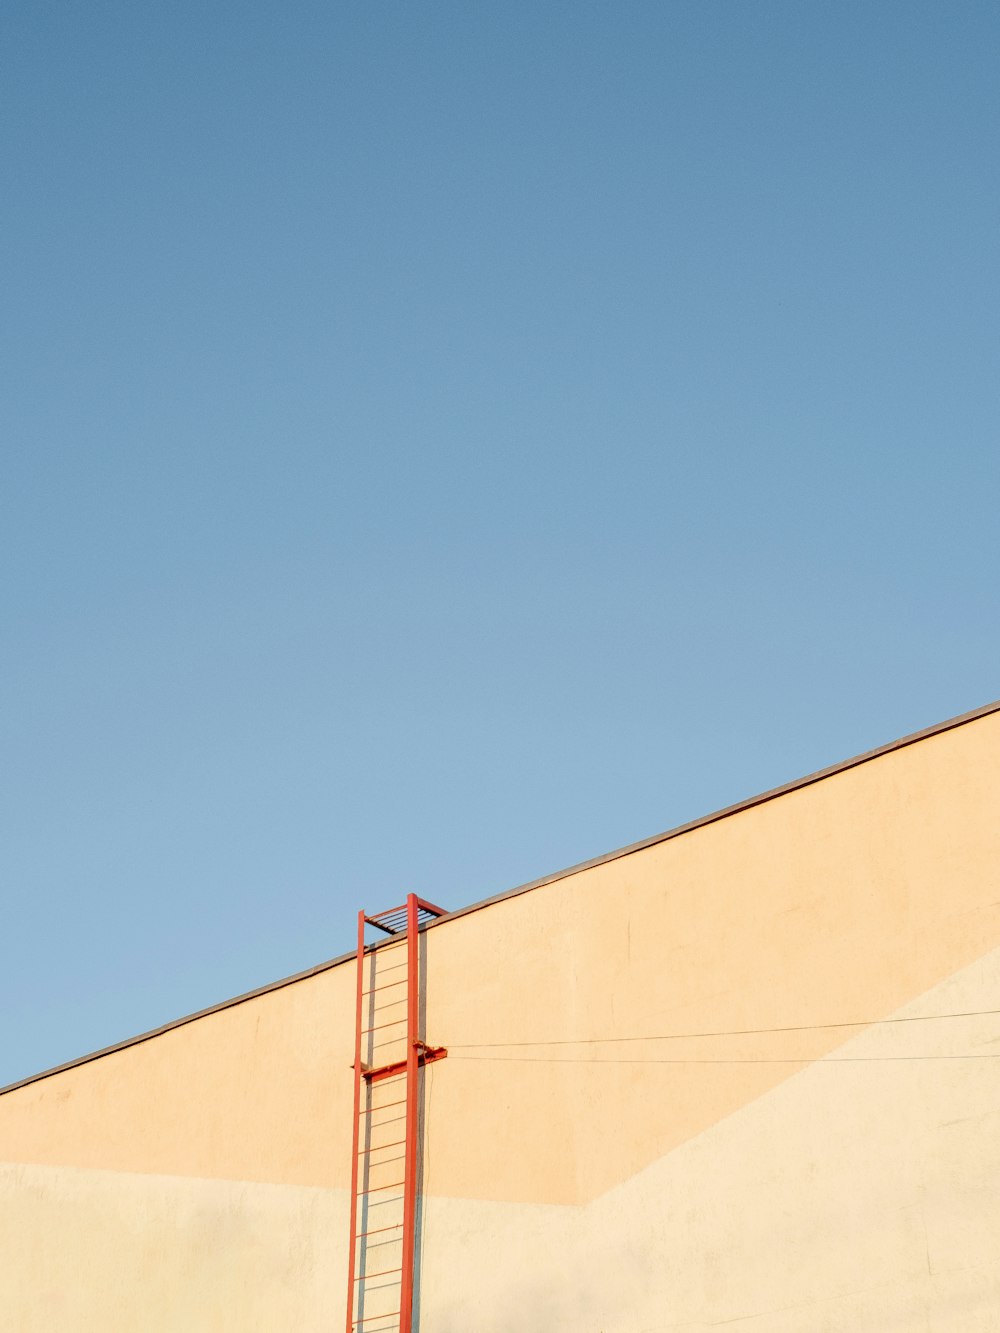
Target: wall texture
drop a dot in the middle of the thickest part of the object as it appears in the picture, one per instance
(683, 1092)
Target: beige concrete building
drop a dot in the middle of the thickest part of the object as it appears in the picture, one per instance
(744, 1075)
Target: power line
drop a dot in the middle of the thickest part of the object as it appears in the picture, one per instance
(747, 1060)
(732, 1032)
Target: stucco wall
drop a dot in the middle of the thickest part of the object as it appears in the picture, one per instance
(819, 1178)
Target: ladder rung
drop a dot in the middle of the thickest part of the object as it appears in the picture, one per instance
(379, 972)
(386, 1106)
(377, 1231)
(377, 1189)
(381, 1027)
(393, 1120)
(363, 1277)
(373, 1291)
(387, 1162)
(378, 1147)
(393, 1314)
(401, 982)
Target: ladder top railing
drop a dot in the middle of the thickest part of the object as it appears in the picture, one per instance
(394, 919)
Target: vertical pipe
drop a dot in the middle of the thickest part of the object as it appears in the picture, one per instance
(352, 1259)
(412, 1075)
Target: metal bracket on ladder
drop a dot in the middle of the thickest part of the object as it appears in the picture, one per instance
(388, 1054)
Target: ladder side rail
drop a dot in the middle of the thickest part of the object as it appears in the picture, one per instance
(352, 1258)
(412, 1083)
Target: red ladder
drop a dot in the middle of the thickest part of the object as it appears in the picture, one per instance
(388, 1054)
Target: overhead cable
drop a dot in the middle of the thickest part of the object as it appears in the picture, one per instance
(732, 1032)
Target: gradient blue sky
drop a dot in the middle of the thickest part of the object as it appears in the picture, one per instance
(445, 442)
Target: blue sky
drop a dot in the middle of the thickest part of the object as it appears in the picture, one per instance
(442, 443)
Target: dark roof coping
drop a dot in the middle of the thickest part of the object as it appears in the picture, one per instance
(689, 827)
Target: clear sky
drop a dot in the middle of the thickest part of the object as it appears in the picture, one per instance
(444, 442)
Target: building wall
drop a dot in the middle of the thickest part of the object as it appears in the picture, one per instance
(704, 1143)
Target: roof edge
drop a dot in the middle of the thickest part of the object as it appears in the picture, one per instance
(747, 804)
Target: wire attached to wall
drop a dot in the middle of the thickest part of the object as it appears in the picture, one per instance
(732, 1032)
(809, 1060)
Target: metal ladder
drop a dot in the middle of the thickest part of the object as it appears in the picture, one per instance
(389, 1051)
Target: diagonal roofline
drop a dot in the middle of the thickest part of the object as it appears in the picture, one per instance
(748, 804)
